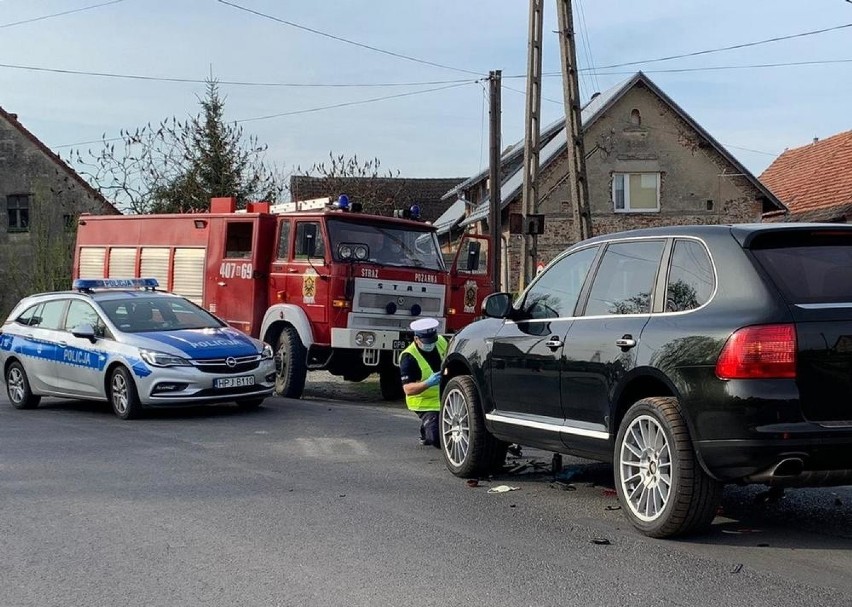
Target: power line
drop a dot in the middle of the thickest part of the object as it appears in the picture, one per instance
(345, 40)
(712, 68)
(297, 112)
(729, 48)
(223, 82)
(76, 10)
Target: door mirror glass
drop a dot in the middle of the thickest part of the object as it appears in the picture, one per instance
(84, 331)
(497, 305)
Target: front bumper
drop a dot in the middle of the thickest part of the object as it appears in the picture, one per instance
(192, 386)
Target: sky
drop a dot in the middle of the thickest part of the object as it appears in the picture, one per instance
(755, 112)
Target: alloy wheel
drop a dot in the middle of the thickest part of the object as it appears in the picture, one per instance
(16, 385)
(455, 427)
(646, 468)
(119, 393)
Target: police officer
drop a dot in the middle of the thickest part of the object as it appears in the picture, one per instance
(420, 366)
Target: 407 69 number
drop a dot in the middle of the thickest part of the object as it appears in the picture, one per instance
(231, 269)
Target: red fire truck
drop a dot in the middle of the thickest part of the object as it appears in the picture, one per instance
(329, 289)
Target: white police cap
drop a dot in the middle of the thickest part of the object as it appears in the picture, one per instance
(425, 329)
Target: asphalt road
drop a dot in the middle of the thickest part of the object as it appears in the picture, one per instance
(322, 502)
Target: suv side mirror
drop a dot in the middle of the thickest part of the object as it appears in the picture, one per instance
(473, 249)
(497, 305)
(85, 331)
(309, 239)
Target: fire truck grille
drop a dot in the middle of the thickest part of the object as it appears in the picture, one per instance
(220, 365)
(380, 301)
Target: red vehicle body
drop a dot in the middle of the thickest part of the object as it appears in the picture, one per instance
(293, 279)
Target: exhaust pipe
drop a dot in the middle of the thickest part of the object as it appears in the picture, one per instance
(784, 470)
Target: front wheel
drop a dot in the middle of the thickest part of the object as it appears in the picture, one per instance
(662, 487)
(18, 388)
(123, 394)
(291, 364)
(469, 449)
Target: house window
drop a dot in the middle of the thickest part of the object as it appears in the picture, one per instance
(18, 208)
(636, 192)
(635, 118)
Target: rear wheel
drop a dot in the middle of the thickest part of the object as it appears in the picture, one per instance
(123, 394)
(18, 388)
(291, 365)
(661, 485)
(391, 383)
(469, 449)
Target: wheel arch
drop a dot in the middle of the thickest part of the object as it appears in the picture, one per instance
(281, 315)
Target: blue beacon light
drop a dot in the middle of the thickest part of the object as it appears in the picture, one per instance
(86, 284)
(343, 202)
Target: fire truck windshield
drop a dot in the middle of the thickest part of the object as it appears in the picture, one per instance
(388, 244)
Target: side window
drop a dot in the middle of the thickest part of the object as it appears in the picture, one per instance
(238, 240)
(81, 313)
(690, 283)
(51, 315)
(30, 317)
(625, 279)
(284, 241)
(555, 293)
(305, 232)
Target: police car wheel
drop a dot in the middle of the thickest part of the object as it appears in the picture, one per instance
(18, 388)
(469, 449)
(291, 366)
(123, 395)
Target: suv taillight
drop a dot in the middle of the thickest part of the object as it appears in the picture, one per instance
(760, 352)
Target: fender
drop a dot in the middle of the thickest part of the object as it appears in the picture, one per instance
(291, 314)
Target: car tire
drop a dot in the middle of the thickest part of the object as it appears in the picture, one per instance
(18, 388)
(653, 438)
(250, 404)
(469, 449)
(391, 383)
(123, 395)
(291, 364)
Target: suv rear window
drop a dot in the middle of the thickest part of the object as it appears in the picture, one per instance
(817, 269)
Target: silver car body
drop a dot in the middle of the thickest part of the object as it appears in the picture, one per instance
(219, 362)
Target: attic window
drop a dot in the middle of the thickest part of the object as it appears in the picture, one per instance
(18, 209)
(635, 117)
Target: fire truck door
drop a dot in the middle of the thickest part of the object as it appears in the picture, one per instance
(469, 280)
(233, 286)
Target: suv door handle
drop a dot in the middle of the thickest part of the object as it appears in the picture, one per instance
(625, 342)
(554, 342)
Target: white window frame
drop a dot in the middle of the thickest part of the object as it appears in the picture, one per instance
(625, 180)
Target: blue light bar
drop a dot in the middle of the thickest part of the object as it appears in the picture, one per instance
(87, 284)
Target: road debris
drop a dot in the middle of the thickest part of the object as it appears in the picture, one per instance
(613, 508)
(737, 568)
(743, 531)
(563, 485)
(609, 493)
(502, 489)
(601, 541)
(472, 482)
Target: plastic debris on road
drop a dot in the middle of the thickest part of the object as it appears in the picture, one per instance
(601, 541)
(502, 489)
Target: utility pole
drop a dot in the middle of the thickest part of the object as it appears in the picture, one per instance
(577, 185)
(494, 222)
(532, 132)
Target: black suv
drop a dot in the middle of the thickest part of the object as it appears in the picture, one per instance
(688, 356)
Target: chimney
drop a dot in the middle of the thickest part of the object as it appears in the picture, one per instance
(816, 139)
(13, 116)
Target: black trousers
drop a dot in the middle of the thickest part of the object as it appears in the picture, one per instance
(429, 431)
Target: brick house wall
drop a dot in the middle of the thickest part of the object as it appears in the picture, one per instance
(698, 185)
(54, 195)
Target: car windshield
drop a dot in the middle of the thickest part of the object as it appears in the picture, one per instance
(389, 244)
(141, 314)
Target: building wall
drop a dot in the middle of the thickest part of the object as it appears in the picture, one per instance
(693, 177)
(31, 258)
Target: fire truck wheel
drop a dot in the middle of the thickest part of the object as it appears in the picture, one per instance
(291, 365)
(391, 383)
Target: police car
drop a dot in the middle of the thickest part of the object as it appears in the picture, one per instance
(127, 343)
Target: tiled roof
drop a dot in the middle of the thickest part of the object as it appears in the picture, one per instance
(425, 192)
(12, 119)
(814, 179)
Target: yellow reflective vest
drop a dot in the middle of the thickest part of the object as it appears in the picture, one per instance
(429, 399)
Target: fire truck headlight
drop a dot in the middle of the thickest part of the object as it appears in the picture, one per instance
(361, 252)
(344, 251)
(365, 339)
(267, 352)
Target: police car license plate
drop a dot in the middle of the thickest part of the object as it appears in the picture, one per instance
(400, 344)
(234, 382)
